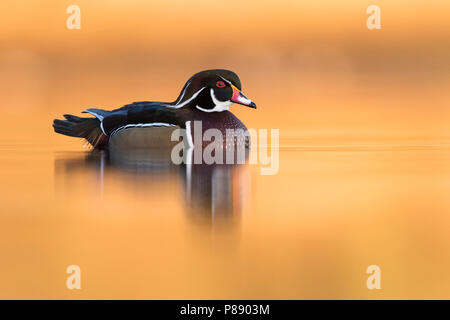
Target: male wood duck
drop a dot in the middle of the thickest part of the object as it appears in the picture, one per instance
(206, 97)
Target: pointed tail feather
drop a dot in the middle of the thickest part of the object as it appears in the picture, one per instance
(87, 128)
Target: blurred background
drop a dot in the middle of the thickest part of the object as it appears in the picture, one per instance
(312, 65)
(364, 134)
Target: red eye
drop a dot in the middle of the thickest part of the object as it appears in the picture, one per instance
(220, 84)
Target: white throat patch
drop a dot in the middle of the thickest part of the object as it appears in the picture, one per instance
(219, 105)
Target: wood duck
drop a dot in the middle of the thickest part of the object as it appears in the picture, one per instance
(206, 97)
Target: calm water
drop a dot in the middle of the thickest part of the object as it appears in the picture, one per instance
(364, 171)
(139, 227)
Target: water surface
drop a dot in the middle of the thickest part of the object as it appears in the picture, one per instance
(150, 229)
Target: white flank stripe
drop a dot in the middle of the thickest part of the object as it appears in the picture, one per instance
(189, 134)
(142, 125)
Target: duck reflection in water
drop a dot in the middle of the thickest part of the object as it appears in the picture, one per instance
(212, 193)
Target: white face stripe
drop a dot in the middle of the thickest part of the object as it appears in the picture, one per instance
(182, 94)
(142, 125)
(176, 106)
(226, 80)
(219, 105)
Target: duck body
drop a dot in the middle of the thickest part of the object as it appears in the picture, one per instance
(203, 104)
(129, 129)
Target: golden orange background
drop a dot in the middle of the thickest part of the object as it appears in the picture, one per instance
(364, 150)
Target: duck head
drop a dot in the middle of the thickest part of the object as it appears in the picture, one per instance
(212, 91)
